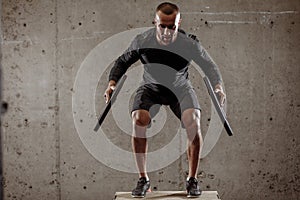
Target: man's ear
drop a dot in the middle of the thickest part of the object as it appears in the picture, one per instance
(179, 23)
(178, 19)
(154, 22)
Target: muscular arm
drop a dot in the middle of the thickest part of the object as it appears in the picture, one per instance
(209, 67)
(120, 67)
(124, 61)
(211, 70)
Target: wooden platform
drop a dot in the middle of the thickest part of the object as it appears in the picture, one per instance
(170, 195)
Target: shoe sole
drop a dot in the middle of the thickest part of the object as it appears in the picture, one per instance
(191, 196)
(137, 196)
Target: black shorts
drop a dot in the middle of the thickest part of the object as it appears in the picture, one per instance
(148, 95)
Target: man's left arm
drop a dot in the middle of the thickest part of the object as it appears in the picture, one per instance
(211, 70)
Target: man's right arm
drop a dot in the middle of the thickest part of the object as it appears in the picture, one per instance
(120, 67)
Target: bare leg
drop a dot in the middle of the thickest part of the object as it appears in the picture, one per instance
(191, 121)
(140, 119)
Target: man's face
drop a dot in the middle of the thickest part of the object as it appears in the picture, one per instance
(166, 27)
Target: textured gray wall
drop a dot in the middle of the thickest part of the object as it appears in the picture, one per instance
(255, 43)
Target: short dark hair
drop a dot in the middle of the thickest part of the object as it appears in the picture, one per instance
(167, 8)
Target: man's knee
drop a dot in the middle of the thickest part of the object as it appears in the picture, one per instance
(191, 118)
(141, 117)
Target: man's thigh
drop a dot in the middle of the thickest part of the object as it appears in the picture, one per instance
(188, 101)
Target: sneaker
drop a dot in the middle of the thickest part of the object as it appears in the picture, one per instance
(192, 188)
(141, 188)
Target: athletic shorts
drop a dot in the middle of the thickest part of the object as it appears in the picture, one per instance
(148, 97)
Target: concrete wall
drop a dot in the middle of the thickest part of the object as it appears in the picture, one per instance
(255, 43)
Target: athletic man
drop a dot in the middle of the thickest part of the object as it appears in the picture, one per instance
(166, 52)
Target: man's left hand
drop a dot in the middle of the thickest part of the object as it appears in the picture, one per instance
(219, 90)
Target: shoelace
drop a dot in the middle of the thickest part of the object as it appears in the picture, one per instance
(193, 183)
(140, 185)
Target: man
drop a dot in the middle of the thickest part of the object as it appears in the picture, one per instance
(166, 52)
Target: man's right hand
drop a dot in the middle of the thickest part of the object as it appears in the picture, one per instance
(110, 88)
